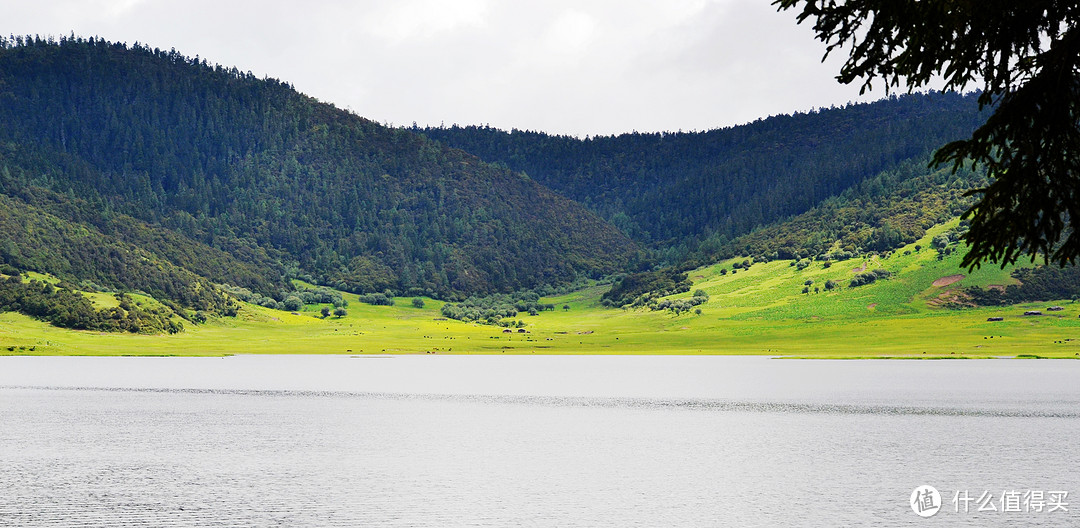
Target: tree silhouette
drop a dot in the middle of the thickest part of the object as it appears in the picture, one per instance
(1025, 56)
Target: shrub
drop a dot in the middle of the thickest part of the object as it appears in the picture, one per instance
(869, 277)
(293, 303)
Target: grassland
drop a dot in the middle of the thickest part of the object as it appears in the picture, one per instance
(761, 310)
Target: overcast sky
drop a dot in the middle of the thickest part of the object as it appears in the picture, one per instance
(580, 67)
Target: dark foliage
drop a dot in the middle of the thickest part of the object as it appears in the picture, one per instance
(638, 288)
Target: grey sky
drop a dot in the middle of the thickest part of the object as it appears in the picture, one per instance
(578, 67)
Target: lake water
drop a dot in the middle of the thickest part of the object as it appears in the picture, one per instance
(533, 441)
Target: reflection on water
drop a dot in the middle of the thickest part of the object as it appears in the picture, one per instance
(526, 441)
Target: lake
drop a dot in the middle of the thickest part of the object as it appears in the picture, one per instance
(590, 441)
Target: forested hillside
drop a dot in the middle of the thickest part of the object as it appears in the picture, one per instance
(675, 190)
(143, 169)
(879, 214)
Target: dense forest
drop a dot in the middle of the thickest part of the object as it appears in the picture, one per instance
(139, 168)
(673, 191)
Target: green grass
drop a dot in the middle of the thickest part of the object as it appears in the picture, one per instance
(755, 311)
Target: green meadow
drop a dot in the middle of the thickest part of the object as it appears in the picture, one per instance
(760, 310)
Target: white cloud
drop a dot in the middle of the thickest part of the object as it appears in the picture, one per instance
(403, 20)
(570, 34)
(119, 7)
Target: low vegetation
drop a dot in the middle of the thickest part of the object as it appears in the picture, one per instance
(64, 307)
(758, 310)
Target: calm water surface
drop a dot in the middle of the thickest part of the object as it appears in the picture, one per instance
(530, 441)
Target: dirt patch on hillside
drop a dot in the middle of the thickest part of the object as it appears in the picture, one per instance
(945, 281)
(954, 298)
(859, 269)
(998, 287)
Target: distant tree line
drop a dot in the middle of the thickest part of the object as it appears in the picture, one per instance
(493, 309)
(1043, 283)
(286, 299)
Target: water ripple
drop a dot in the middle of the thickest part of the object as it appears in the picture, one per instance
(687, 404)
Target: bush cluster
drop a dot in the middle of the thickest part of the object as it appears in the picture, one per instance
(869, 277)
(378, 299)
(678, 306)
(494, 308)
(70, 309)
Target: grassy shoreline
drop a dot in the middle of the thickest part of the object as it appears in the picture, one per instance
(757, 311)
(946, 335)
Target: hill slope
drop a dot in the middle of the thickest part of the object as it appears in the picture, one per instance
(239, 180)
(674, 190)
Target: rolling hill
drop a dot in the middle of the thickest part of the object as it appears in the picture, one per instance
(143, 169)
